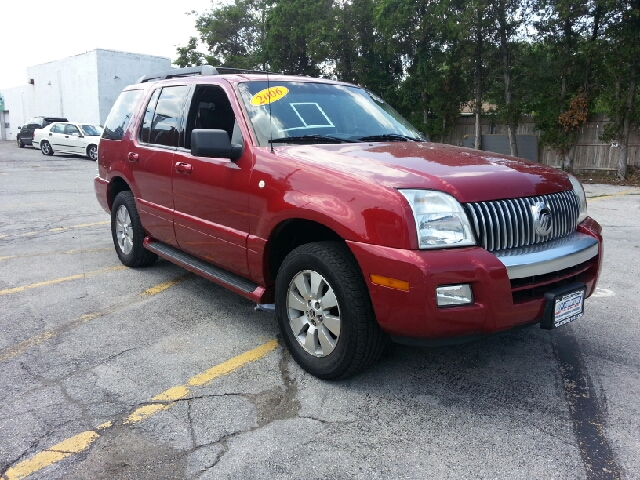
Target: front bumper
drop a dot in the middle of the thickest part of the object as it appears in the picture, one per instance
(508, 287)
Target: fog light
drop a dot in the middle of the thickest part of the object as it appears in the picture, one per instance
(450, 295)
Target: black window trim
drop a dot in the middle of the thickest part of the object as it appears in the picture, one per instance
(182, 114)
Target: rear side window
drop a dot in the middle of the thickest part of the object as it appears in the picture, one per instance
(57, 128)
(167, 126)
(120, 114)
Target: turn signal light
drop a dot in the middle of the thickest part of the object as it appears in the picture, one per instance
(390, 282)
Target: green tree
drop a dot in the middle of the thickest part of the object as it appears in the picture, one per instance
(428, 38)
(618, 77)
(189, 56)
(299, 36)
(560, 66)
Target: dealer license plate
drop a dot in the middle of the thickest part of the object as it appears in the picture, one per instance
(564, 305)
(568, 307)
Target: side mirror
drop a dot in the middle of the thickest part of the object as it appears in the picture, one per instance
(19, 128)
(214, 144)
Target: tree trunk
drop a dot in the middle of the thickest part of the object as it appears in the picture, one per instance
(512, 128)
(626, 124)
(478, 82)
(506, 73)
(567, 159)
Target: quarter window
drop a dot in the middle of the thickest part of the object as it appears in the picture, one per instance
(120, 115)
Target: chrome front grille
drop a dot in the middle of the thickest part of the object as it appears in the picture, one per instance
(504, 224)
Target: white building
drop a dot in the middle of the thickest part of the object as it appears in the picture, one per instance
(82, 88)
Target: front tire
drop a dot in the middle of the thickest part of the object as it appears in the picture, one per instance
(127, 232)
(325, 313)
(45, 148)
(92, 152)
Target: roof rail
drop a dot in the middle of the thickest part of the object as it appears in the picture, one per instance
(192, 71)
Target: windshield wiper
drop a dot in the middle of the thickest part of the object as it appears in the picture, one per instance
(390, 137)
(311, 139)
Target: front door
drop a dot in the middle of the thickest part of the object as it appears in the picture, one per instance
(71, 139)
(210, 194)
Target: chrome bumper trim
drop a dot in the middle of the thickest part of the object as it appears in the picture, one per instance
(548, 257)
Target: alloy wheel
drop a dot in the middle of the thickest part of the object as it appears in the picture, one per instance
(314, 313)
(124, 230)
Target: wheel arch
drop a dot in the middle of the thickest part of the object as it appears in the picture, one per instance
(116, 185)
(288, 235)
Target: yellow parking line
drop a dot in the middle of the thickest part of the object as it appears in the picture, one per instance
(60, 229)
(52, 455)
(8, 291)
(164, 285)
(83, 440)
(64, 252)
(600, 197)
(19, 348)
(82, 225)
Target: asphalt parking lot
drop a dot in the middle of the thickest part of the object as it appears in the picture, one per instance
(114, 373)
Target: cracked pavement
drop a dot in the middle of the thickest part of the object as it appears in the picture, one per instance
(497, 408)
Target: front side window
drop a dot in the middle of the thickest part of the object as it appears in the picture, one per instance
(319, 112)
(210, 109)
(120, 115)
(91, 130)
(167, 126)
(71, 130)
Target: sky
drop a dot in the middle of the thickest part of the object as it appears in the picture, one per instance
(37, 31)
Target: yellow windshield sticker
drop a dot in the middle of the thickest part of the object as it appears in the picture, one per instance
(269, 95)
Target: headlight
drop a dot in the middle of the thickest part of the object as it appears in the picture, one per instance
(440, 219)
(577, 188)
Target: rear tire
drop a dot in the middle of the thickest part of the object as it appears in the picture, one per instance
(20, 143)
(45, 148)
(127, 232)
(325, 313)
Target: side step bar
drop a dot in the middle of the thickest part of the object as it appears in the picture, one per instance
(233, 282)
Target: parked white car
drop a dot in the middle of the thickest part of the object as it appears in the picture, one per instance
(68, 137)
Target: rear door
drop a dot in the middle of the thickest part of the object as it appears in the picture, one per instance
(152, 160)
(56, 136)
(210, 194)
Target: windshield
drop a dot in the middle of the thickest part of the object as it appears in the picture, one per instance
(306, 112)
(92, 130)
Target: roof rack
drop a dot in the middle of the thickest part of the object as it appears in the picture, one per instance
(193, 71)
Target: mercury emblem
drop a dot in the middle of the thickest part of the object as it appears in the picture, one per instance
(542, 219)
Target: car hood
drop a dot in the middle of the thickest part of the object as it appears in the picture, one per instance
(469, 175)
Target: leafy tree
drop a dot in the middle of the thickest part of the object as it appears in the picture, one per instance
(298, 36)
(508, 20)
(619, 76)
(426, 36)
(561, 72)
(189, 56)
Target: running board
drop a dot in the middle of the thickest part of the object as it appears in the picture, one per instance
(233, 282)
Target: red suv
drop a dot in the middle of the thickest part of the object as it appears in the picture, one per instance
(316, 198)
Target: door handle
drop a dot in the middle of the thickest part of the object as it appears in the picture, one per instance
(182, 167)
(133, 157)
(66, 136)
(51, 134)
